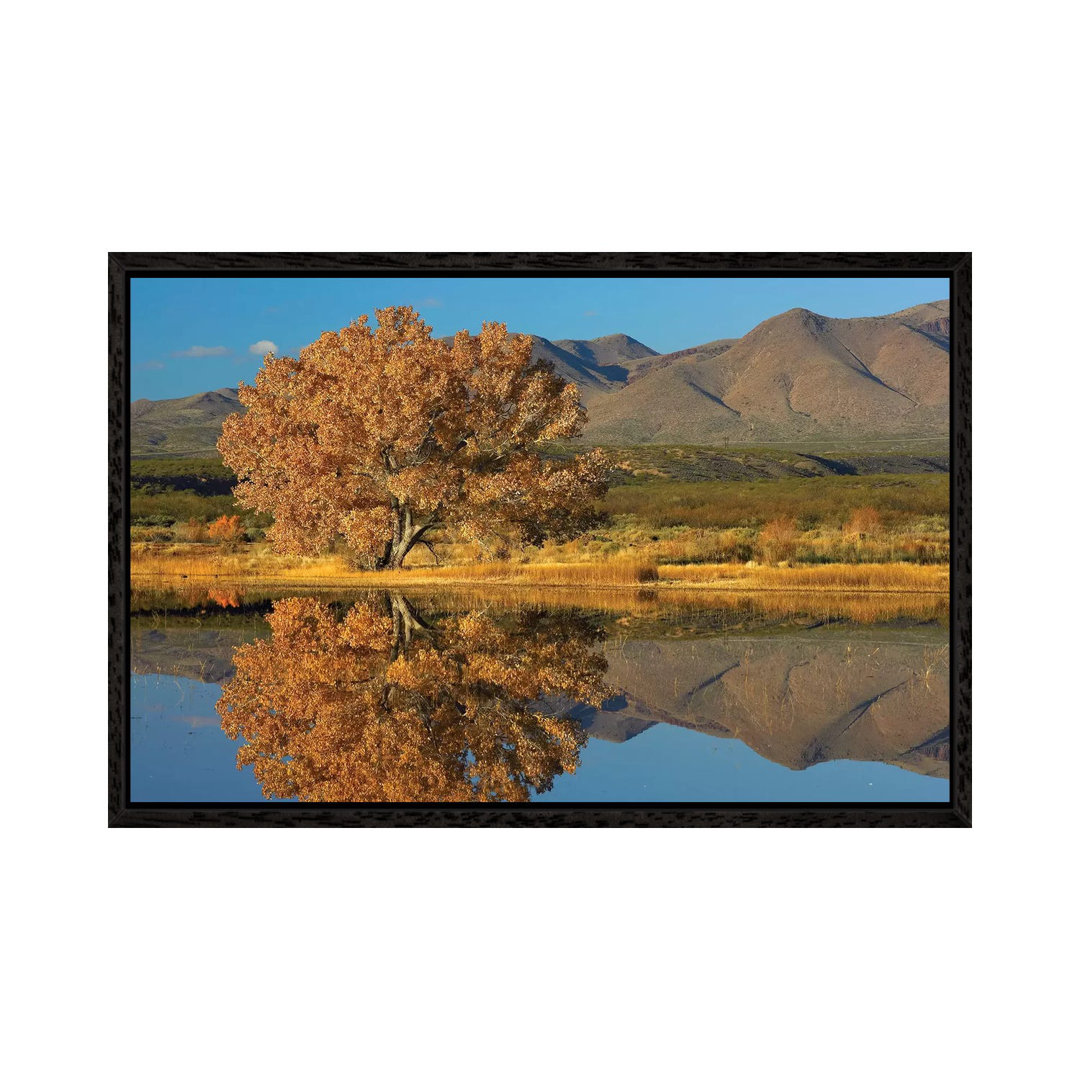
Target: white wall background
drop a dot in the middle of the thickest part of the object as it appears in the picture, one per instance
(584, 126)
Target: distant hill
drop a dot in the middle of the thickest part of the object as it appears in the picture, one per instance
(185, 426)
(798, 377)
(190, 426)
(597, 366)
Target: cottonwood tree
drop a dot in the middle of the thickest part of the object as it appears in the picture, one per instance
(381, 435)
(382, 706)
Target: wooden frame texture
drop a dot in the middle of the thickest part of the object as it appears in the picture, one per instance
(955, 266)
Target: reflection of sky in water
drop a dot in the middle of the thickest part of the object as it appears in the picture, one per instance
(178, 751)
(180, 754)
(671, 764)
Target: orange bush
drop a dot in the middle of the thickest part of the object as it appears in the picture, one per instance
(225, 598)
(226, 528)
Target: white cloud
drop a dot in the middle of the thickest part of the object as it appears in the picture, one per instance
(203, 350)
(151, 365)
(431, 301)
(261, 348)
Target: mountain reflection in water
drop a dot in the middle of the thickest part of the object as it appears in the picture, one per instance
(442, 698)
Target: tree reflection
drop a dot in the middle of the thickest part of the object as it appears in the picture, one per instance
(381, 707)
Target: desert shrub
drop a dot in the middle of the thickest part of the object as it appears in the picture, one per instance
(864, 522)
(151, 534)
(226, 529)
(643, 570)
(776, 541)
(194, 531)
(730, 545)
(917, 549)
(152, 520)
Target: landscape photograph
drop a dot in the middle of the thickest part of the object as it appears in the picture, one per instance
(576, 540)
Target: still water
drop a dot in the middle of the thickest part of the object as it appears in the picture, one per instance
(433, 697)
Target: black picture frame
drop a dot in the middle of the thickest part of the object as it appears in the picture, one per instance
(124, 266)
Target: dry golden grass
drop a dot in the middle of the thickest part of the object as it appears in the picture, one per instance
(255, 563)
(865, 607)
(646, 602)
(194, 562)
(190, 561)
(600, 573)
(876, 577)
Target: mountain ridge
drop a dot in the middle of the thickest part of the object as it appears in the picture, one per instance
(795, 377)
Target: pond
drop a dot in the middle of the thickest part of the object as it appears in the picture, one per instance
(541, 695)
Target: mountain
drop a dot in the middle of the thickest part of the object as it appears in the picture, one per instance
(190, 426)
(598, 366)
(181, 426)
(797, 700)
(798, 376)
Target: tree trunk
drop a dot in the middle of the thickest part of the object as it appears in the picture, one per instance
(406, 534)
(410, 619)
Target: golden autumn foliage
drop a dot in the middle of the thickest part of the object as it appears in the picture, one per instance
(380, 707)
(381, 436)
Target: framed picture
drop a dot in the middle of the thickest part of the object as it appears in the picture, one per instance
(540, 539)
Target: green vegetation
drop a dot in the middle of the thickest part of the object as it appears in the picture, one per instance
(167, 507)
(825, 519)
(667, 504)
(169, 494)
(824, 501)
(695, 464)
(144, 470)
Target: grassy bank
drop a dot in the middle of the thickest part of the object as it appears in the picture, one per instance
(196, 562)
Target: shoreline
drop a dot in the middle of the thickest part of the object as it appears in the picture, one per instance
(670, 586)
(839, 578)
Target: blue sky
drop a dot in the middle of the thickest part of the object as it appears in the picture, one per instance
(195, 334)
